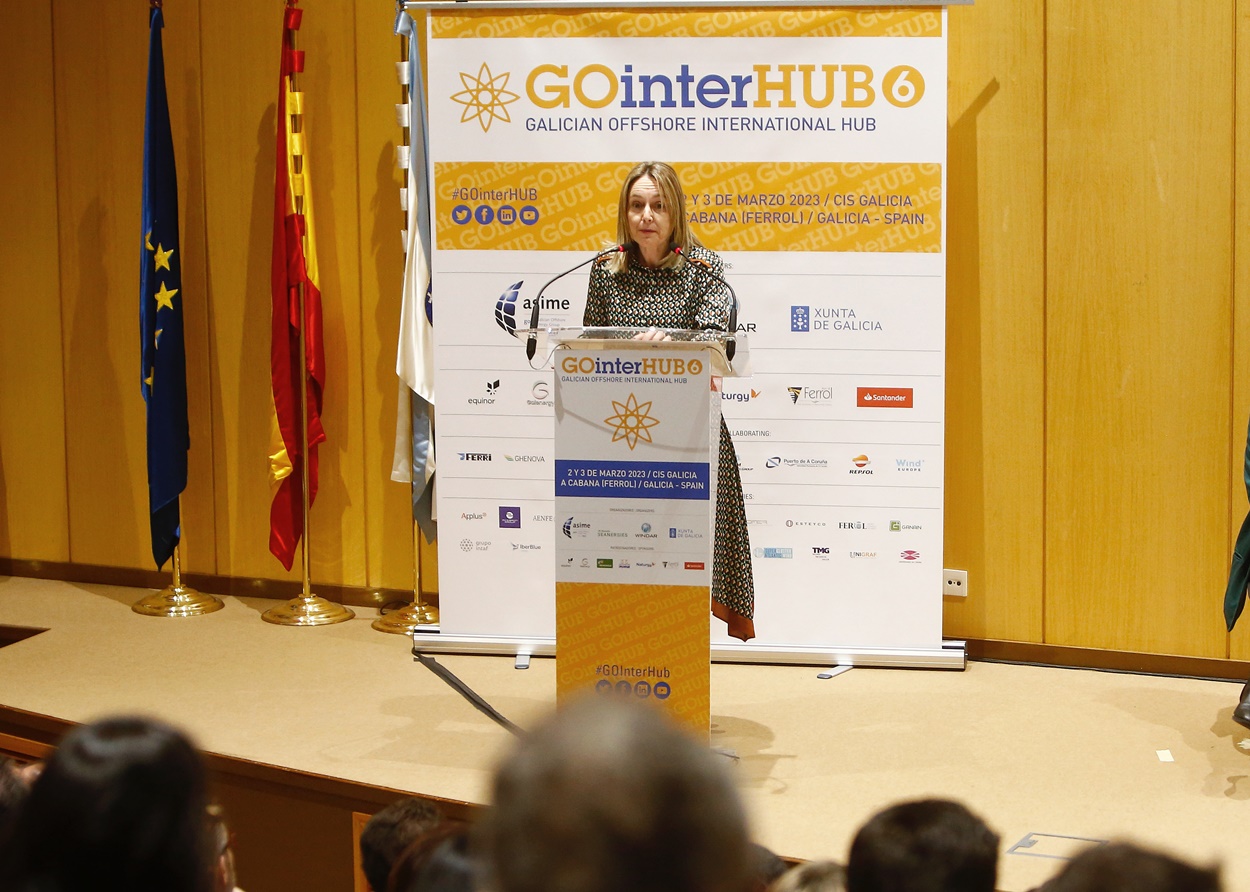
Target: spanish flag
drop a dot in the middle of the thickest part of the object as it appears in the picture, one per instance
(294, 277)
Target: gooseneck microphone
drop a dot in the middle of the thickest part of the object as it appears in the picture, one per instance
(731, 342)
(531, 343)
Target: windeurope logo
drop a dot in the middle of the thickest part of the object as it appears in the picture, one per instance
(485, 96)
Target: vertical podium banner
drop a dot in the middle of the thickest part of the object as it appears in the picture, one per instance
(811, 144)
(634, 497)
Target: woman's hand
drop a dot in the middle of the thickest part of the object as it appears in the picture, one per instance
(653, 334)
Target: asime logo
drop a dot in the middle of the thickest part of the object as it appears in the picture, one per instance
(485, 97)
(505, 308)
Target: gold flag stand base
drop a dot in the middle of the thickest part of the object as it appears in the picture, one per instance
(311, 610)
(177, 600)
(408, 620)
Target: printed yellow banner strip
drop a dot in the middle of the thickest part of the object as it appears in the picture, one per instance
(644, 642)
(798, 22)
(732, 206)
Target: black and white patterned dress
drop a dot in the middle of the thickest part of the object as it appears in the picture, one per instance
(685, 297)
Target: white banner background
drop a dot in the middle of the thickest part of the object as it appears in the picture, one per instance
(844, 499)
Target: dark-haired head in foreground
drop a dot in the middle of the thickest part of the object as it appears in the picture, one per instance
(931, 845)
(440, 861)
(610, 796)
(391, 830)
(119, 806)
(1122, 867)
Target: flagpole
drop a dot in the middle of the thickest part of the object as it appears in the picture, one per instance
(177, 599)
(411, 617)
(310, 609)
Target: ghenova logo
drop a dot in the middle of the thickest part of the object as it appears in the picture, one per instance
(485, 96)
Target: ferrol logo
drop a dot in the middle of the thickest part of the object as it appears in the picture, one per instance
(474, 456)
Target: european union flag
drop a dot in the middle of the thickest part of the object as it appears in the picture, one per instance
(164, 370)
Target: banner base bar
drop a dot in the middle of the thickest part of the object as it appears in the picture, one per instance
(950, 654)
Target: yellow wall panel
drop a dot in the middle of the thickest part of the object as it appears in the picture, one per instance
(1099, 247)
(33, 501)
(1138, 287)
(1239, 644)
(241, 57)
(995, 310)
(181, 44)
(99, 120)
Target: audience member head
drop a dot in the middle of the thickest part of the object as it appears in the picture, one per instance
(930, 845)
(609, 795)
(13, 790)
(391, 830)
(119, 806)
(766, 867)
(1123, 867)
(812, 876)
(221, 851)
(440, 861)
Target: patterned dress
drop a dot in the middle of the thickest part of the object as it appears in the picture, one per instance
(685, 297)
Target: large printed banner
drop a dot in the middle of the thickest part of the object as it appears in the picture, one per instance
(811, 144)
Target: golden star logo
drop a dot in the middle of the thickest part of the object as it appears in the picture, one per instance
(484, 97)
(632, 421)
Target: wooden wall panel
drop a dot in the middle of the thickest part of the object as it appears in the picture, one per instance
(183, 80)
(33, 499)
(241, 56)
(1099, 246)
(388, 527)
(99, 122)
(1138, 286)
(995, 313)
(1239, 643)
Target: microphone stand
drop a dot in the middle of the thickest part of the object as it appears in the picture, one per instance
(731, 342)
(531, 343)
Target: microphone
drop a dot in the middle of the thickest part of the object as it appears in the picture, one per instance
(731, 342)
(531, 343)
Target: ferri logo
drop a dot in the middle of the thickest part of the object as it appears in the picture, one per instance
(632, 421)
(486, 97)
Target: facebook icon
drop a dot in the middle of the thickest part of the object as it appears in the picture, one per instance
(799, 318)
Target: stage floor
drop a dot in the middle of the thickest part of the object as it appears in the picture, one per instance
(1047, 756)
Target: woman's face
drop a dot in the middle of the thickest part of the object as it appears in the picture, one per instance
(650, 220)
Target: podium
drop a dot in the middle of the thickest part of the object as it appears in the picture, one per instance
(636, 448)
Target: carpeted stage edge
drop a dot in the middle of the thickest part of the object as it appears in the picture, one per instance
(306, 726)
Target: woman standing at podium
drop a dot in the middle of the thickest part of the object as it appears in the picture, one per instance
(665, 279)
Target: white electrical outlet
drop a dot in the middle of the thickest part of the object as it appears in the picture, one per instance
(955, 583)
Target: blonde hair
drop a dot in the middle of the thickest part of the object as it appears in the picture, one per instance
(671, 194)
